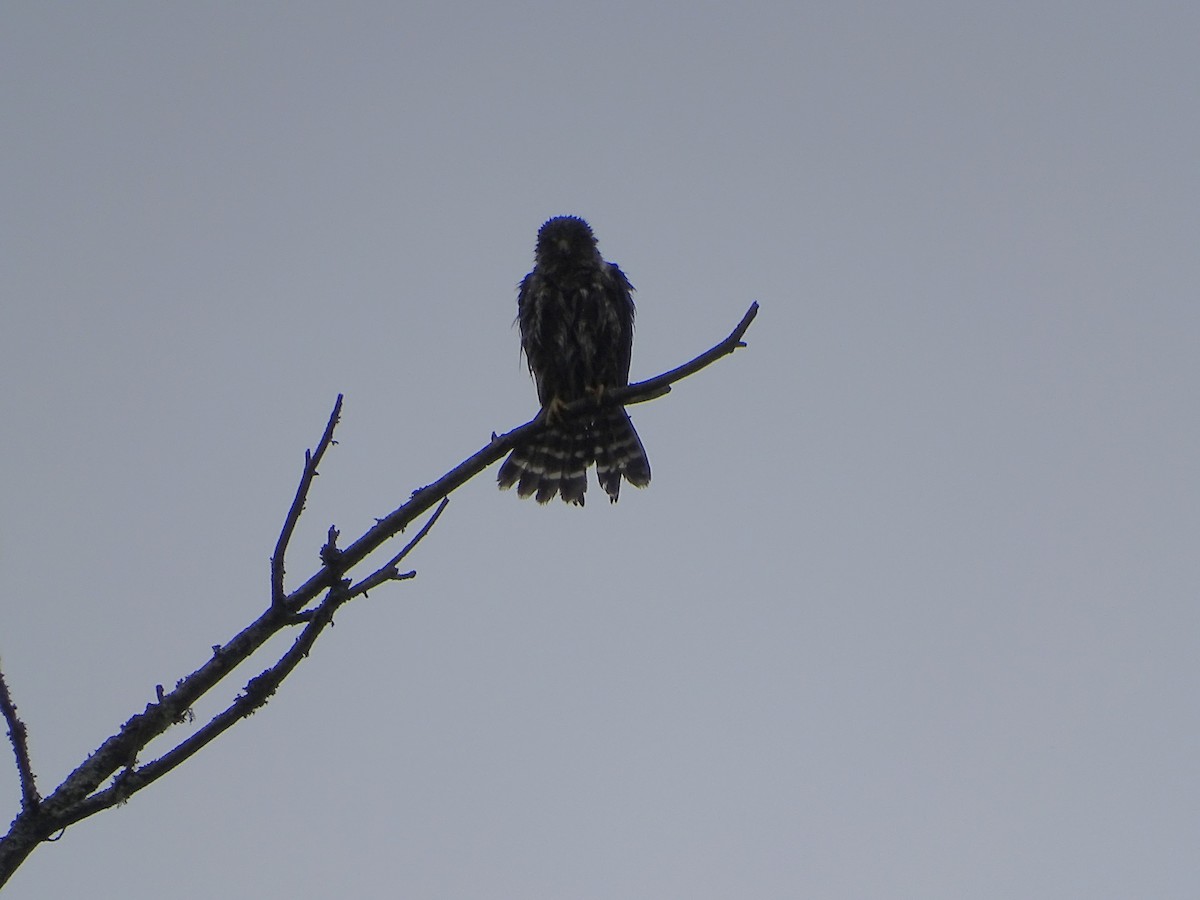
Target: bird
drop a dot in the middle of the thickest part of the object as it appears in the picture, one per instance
(575, 315)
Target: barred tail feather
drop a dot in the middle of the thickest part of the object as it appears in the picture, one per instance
(554, 463)
(531, 475)
(619, 452)
(549, 480)
(519, 462)
(574, 476)
(514, 467)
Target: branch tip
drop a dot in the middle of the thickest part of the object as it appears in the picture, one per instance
(311, 460)
(18, 736)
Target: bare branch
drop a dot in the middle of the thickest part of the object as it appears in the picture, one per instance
(424, 498)
(20, 744)
(257, 692)
(80, 795)
(70, 801)
(311, 461)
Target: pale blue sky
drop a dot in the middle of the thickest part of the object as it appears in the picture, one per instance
(910, 609)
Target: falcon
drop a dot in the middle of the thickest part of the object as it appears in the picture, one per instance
(575, 315)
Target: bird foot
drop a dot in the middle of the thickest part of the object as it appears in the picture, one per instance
(553, 411)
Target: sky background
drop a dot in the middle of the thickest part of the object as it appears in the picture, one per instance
(910, 608)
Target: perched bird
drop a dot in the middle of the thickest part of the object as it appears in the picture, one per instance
(575, 314)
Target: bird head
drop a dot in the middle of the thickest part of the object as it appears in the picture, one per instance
(565, 239)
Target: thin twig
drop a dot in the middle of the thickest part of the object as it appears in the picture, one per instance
(20, 744)
(311, 461)
(661, 384)
(389, 571)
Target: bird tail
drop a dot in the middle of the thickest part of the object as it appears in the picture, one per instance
(556, 461)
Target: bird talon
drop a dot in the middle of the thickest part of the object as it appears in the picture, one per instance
(554, 410)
